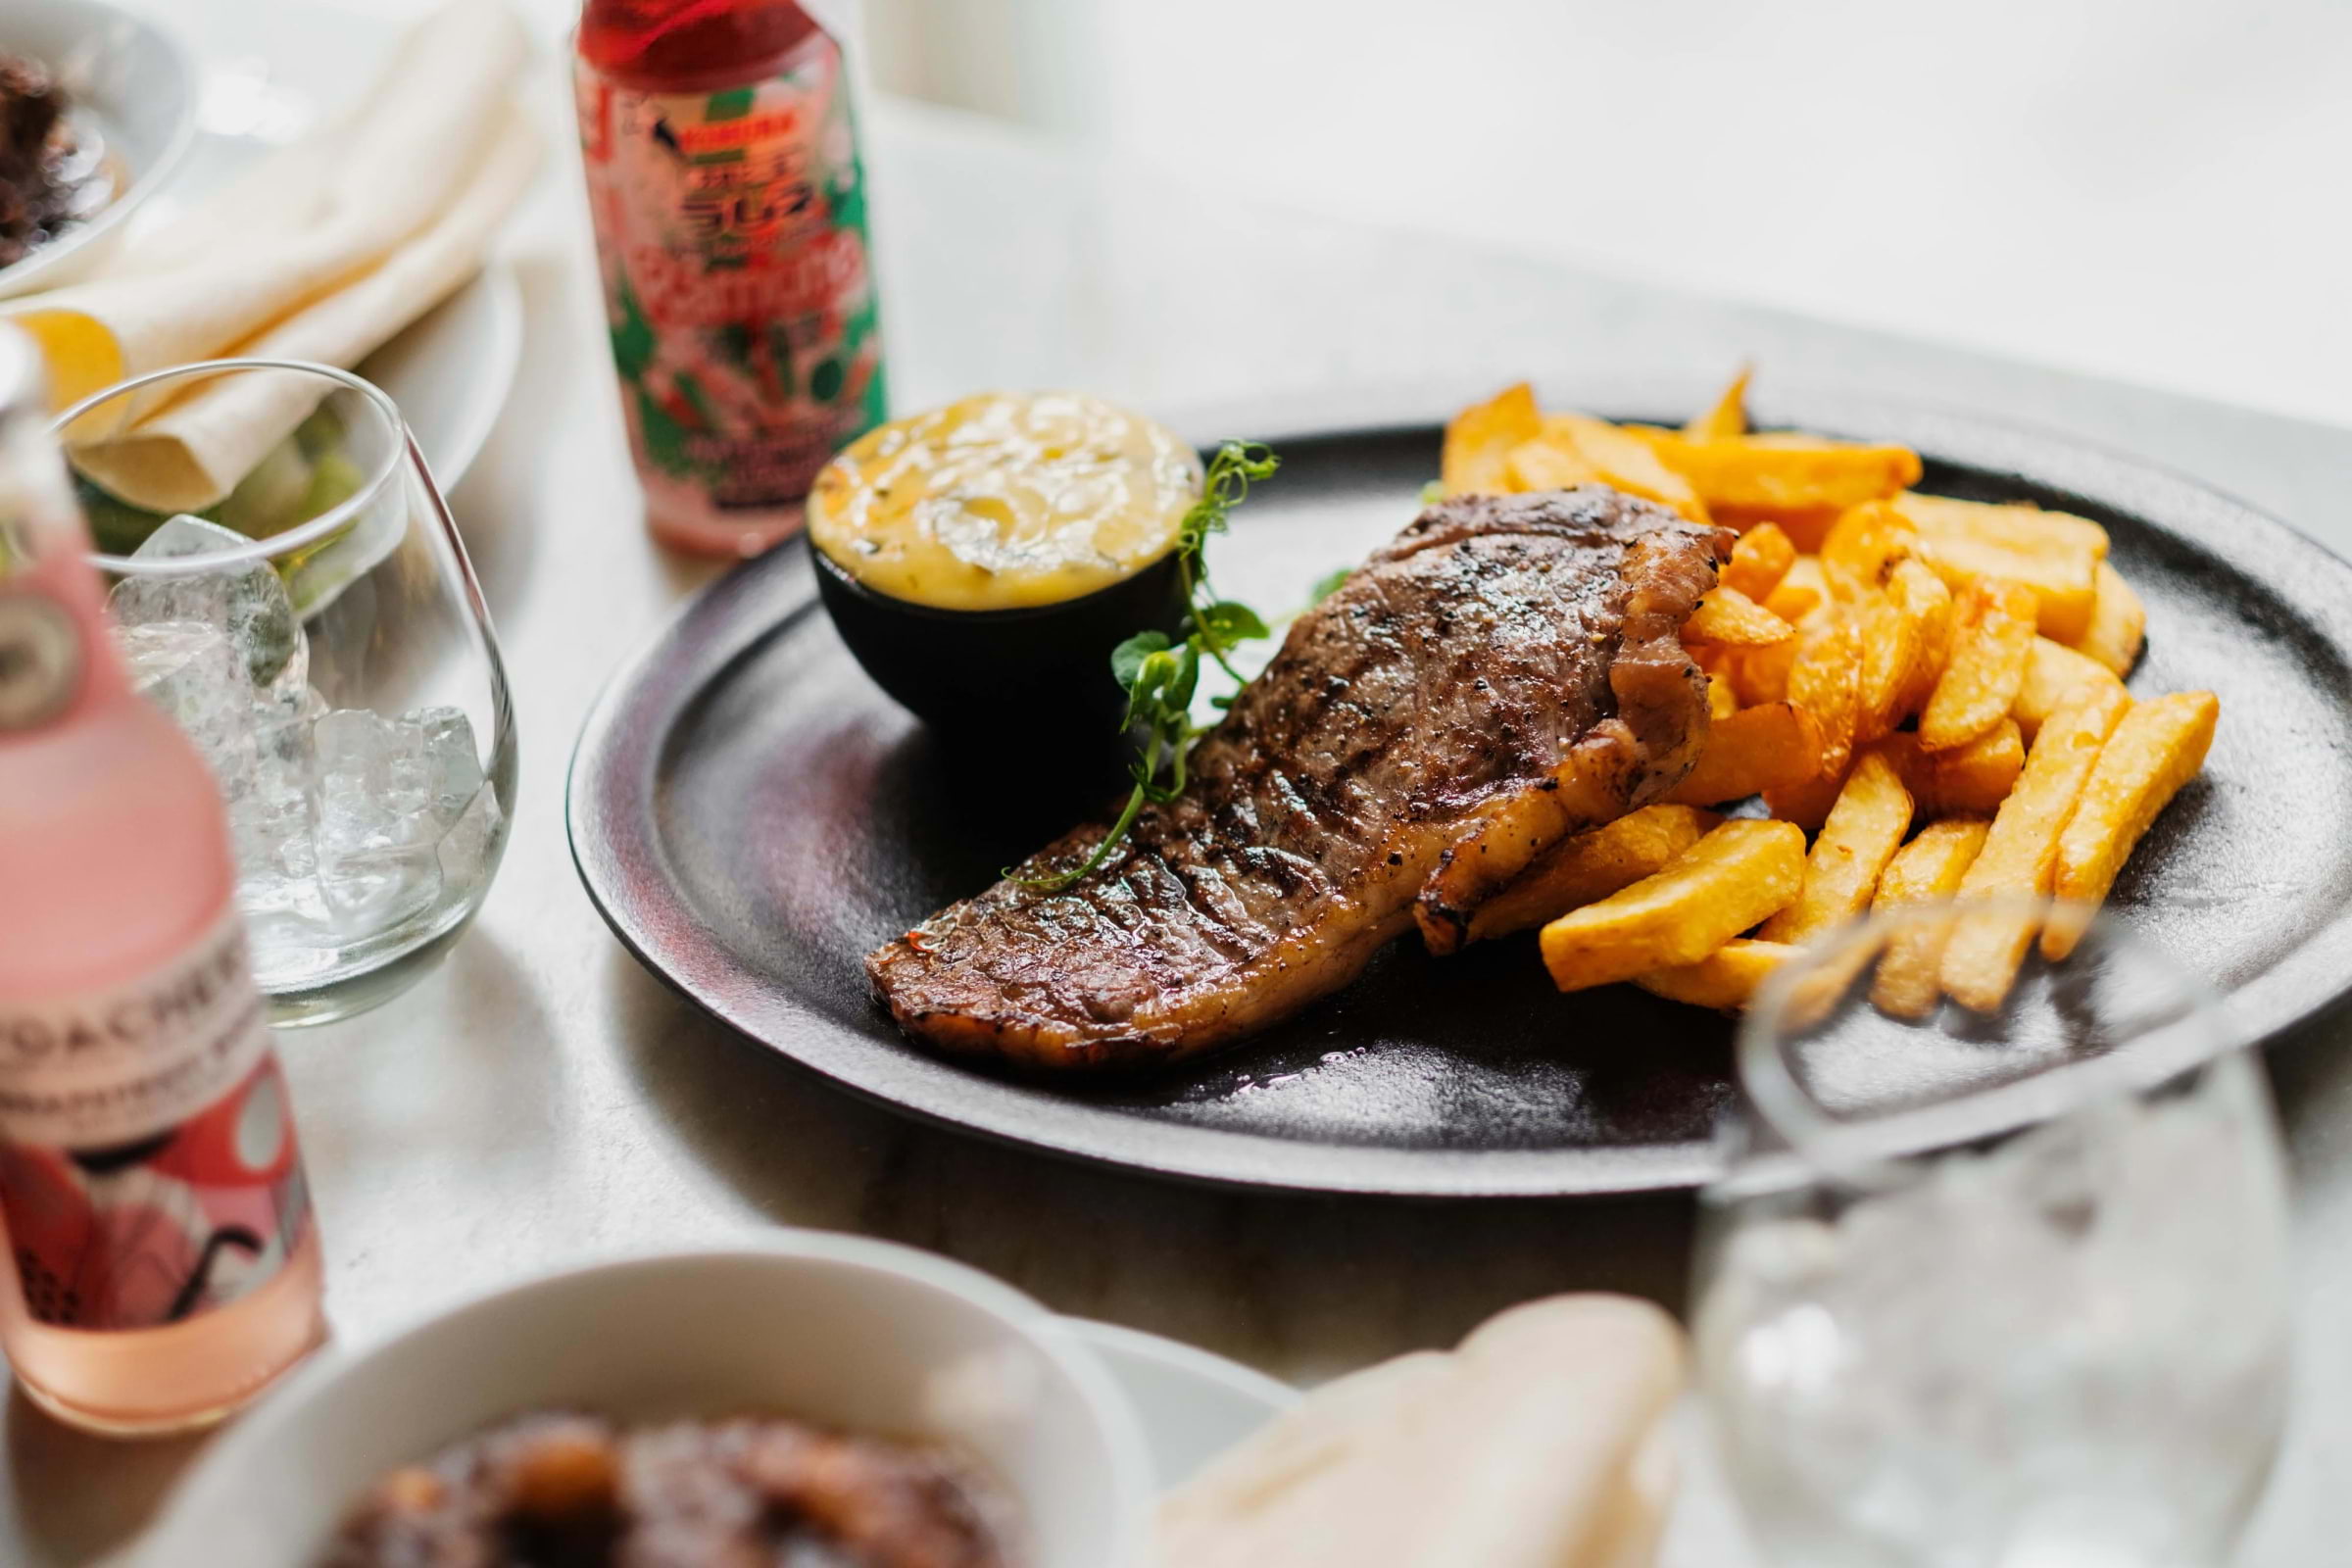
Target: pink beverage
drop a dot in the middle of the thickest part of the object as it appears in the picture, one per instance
(729, 204)
(162, 1264)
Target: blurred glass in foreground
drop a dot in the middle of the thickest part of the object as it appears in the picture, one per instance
(1995, 1291)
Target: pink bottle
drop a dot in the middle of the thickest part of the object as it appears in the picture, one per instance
(161, 1263)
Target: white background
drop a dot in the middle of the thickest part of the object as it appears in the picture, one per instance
(2153, 191)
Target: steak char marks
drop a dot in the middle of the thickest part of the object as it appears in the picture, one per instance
(1504, 672)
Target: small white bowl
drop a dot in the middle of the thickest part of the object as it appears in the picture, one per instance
(136, 84)
(838, 1330)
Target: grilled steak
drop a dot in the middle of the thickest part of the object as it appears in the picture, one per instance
(1505, 672)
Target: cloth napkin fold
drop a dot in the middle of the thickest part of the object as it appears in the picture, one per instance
(1540, 1443)
(322, 252)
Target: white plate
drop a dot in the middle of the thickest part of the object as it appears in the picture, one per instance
(269, 72)
(131, 79)
(451, 369)
(1192, 1405)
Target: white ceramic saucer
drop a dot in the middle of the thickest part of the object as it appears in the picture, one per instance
(1192, 1406)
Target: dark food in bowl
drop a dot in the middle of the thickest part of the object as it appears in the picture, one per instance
(41, 174)
(565, 1490)
(1509, 670)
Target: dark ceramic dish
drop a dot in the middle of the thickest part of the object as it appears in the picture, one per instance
(1039, 676)
(752, 816)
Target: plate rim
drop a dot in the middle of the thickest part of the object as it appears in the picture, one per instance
(500, 287)
(2314, 977)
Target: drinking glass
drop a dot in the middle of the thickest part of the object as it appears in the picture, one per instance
(1994, 1290)
(319, 632)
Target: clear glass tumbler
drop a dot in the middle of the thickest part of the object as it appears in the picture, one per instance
(1994, 1291)
(290, 586)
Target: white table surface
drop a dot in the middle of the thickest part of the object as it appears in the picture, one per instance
(540, 1099)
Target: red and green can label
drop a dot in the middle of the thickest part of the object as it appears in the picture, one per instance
(738, 284)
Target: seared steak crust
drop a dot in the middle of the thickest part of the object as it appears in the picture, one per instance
(1505, 672)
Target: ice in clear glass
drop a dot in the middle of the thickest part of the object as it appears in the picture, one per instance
(349, 826)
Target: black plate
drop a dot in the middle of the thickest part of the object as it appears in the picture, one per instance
(752, 816)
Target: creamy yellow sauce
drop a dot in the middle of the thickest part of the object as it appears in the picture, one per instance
(1004, 500)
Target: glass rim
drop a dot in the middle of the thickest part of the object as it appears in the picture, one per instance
(308, 532)
(1880, 1147)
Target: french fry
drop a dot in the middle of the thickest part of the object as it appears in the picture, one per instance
(1930, 602)
(1728, 618)
(1587, 866)
(1806, 573)
(2119, 623)
(2008, 524)
(1624, 461)
(2020, 855)
(1753, 750)
(1727, 419)
(1825, 679)
(1807, 805)
(1980, 679)
(2063, 577)
(1905, 633)
(1541, 465)
(1925, 869)
(1862, 547)
(1723, 979)
(1479, 441)
(1801, 482)
(1860, 835)
(1727, 882)
(1759, 560)
(1759, 675)
(2055, 674)
(1721, 701)
(1793, 602)
(1822, 987)
(2157, 746)
(1970, 780)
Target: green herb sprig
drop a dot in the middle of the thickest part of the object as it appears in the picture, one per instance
(1160, 676)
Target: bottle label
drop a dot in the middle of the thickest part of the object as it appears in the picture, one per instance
(731, 227)
(148, 1169)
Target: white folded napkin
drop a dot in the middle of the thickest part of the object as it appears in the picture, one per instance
(323, 251)
(1540, 1443)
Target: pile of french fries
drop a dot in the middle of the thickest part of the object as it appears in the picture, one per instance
(1930, 690)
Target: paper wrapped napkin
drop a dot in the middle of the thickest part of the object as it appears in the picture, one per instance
(322, 252)
(1540, 1443)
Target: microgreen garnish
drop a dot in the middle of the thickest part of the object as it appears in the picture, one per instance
(1160, 676)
